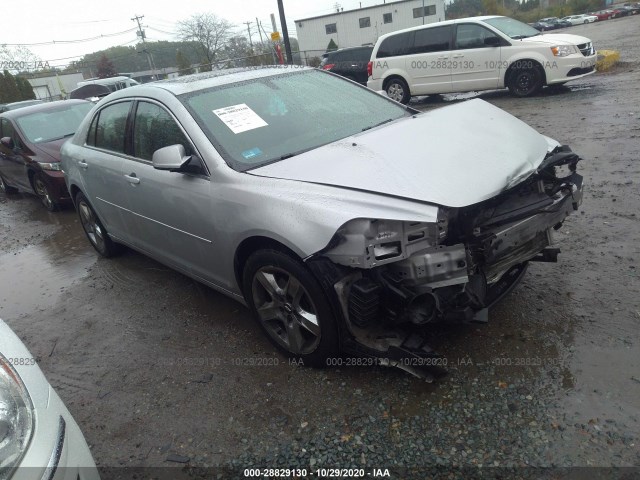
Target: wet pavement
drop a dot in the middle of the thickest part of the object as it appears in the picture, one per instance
(151, 363)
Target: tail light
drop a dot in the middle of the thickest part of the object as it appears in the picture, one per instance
(370, 69)
(328, 66)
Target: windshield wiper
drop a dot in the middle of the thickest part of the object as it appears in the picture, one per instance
(288, 155)
(377, 124)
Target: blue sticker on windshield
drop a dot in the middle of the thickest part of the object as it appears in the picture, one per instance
(254, 152)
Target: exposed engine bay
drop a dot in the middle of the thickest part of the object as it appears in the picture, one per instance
(393, 279)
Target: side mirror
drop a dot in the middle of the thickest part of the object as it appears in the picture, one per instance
(172, 157)
(492, 42)
(8, 142)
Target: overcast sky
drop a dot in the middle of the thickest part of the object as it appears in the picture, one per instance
(37, 21)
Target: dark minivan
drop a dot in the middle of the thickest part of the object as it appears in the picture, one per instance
(349, 62)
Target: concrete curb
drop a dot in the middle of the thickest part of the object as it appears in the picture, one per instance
(607, 59)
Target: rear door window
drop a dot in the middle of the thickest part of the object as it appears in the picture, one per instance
(396, 45)
(110, 127)
(436, 39)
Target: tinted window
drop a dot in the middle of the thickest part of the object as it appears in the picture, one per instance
(330, 28)
(431, 40)
(365, 22)
(424, 11)
(387, 18)
(111, 127)
(395, 45)
(6, 128)
(472, 36)
(153, 129)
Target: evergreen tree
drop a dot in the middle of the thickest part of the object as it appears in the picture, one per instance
(9, 88)
(106, 68)
(332, 46)
(25, 89)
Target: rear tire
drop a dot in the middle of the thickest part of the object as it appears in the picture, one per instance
(398, 90)
(93, 228)
(6, 188)
(290, 306)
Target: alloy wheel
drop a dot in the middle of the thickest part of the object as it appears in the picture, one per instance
(91, 226)
(286, 310)
(43, 192)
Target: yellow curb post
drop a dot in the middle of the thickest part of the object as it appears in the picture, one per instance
(607, 59)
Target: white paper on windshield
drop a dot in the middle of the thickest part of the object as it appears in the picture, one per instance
(240, 118)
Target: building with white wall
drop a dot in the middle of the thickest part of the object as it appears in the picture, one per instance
(364, 25)
(54, 87)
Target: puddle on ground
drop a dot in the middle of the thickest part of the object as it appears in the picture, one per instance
(32, 278)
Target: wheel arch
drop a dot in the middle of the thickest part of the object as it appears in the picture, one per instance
(536, 63)
(252, 244)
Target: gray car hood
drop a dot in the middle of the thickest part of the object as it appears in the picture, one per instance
(453, 156)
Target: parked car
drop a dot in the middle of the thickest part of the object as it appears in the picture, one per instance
(602, 15)
(580, 19)
(30, 141)
(554, 23)
(5, 107)
(342, 219)
(631, 9)
(38, 436)
(350, 63)
(479, 53)
(619, 12)
(542, 26)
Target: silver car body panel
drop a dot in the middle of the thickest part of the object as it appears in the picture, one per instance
(197, 223)
(417, 157)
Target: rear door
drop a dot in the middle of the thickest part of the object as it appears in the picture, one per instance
(100, 165)
(475, 65)
(429, 61)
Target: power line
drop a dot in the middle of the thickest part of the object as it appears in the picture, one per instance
(55, 42)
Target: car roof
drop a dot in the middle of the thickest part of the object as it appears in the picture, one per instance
(204, 80)
(438, 24)
(40, 107)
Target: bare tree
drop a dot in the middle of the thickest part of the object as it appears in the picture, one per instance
(16, 59)
(208, 31)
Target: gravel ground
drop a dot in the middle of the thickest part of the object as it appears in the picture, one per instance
(160, 371)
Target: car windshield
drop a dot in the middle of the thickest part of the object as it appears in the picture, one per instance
(53, 124)
(268, 119)
(513, 28)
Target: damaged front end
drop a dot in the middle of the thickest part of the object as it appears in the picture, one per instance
(391, 280)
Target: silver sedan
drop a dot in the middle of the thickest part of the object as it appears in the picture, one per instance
(345, 221)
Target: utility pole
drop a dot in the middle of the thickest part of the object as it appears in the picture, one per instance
(248, 24)
(259, 31)
(141, 34)
(285, 33)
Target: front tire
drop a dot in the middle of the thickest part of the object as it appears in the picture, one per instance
(525, 82)
(6, 188)
(398, 90)
(290, 306)
(93, 228)
(43, 191)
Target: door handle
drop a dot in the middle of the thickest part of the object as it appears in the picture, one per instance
(132, 179)
(83, 164)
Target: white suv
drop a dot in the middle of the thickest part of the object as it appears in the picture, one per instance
(478, 53)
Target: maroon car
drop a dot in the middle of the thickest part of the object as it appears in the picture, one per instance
(30, 141)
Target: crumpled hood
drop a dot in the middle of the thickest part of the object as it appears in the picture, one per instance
(51, 149)
(557, 39)
(453, 156)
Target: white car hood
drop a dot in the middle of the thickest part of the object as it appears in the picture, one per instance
(453, 156)
(556, 39)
